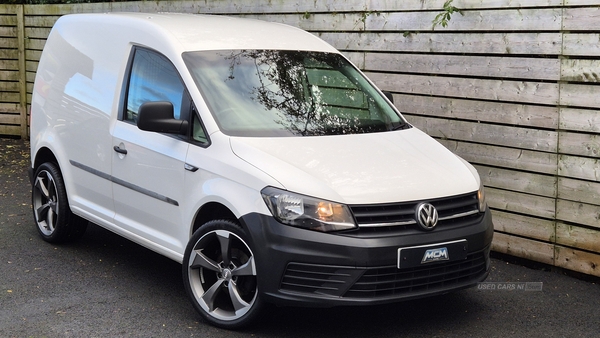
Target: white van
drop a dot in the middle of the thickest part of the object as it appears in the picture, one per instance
(256, 155)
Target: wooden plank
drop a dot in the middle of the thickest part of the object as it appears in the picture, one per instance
(495, 90)
(8, 75)
(12, 54)
(220, 7)
(579, 144)
(8, 32)
(463, 4)
(41, 21)
(8, 90)
(515, 19)
(520, 203)
(269, 6)
(33, 55)
(581, 19)
(523, 247)
(579, 191)
(9, 108)
(580, 95)
(31, 66)
(37, 32)
(580, 2)
(531, 227)
(10, 130)
(578, 237)
(36, 44)
(67, 9)
(519, 159)
(30, 77)
(8, 9)
(484, 43)
(480, 111)
(10, 119)
(8, 42)
(9, 64)
(577, 212)
(8, 20)
(577, 260)
(523, 138)
(315, 22)
(357, 58)
(581, 44)
(579, 167)
(585, 120)
(537, 184)
(482, 66)
(577, 70)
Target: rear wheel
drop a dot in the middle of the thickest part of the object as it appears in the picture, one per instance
(55, 222)
(219, 273)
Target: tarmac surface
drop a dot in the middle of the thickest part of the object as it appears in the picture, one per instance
(106, 286)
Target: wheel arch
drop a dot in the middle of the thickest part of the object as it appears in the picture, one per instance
(212, 211)
(44, 155)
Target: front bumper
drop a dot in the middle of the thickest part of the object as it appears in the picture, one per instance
(307, 268)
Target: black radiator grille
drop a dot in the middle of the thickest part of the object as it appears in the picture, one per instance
(381, 282)
(390, 281)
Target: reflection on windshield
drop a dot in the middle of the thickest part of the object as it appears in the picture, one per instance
(288, 93)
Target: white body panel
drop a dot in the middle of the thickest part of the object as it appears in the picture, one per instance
(385, 167)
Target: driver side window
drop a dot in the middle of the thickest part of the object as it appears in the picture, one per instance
(154, 78)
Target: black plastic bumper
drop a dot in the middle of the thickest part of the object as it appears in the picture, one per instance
(307, 268)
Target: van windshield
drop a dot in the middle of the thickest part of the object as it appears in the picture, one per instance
(289, 93)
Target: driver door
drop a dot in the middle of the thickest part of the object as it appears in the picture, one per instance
(148, 167)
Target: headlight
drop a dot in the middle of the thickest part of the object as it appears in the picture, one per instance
(307, 212)
(481, 198)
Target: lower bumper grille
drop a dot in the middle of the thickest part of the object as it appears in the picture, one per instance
(390, 281)
(382, 282)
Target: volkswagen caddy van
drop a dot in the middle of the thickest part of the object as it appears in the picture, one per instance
(257, 156)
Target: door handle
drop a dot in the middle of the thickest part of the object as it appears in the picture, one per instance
(119, 150)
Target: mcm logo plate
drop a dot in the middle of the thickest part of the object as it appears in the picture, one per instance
(434, 255)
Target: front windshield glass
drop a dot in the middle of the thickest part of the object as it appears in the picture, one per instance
(288, 93)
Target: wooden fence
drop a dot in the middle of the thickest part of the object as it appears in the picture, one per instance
(512, 86)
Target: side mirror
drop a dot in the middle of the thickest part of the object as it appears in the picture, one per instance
(389, 96)
(158, 117)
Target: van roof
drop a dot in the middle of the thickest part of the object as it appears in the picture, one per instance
(195, 32)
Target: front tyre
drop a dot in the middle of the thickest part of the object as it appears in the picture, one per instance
(219, 273)
(51, 211)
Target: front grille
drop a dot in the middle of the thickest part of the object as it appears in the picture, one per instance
(319, 279)
(382, 282)
(390, 281)
(458, 210)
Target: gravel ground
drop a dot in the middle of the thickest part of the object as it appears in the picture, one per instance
(104, 285)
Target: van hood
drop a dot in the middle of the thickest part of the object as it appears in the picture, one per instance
(384, 167)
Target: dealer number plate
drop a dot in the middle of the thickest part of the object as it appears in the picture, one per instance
(424, 254)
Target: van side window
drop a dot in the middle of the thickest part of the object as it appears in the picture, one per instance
(198, 133)
(154, 78)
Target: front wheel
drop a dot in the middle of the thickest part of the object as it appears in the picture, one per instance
(219, 273)
(51, 211)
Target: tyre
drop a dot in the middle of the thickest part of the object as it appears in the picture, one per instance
(51, 211)
(219, 273)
